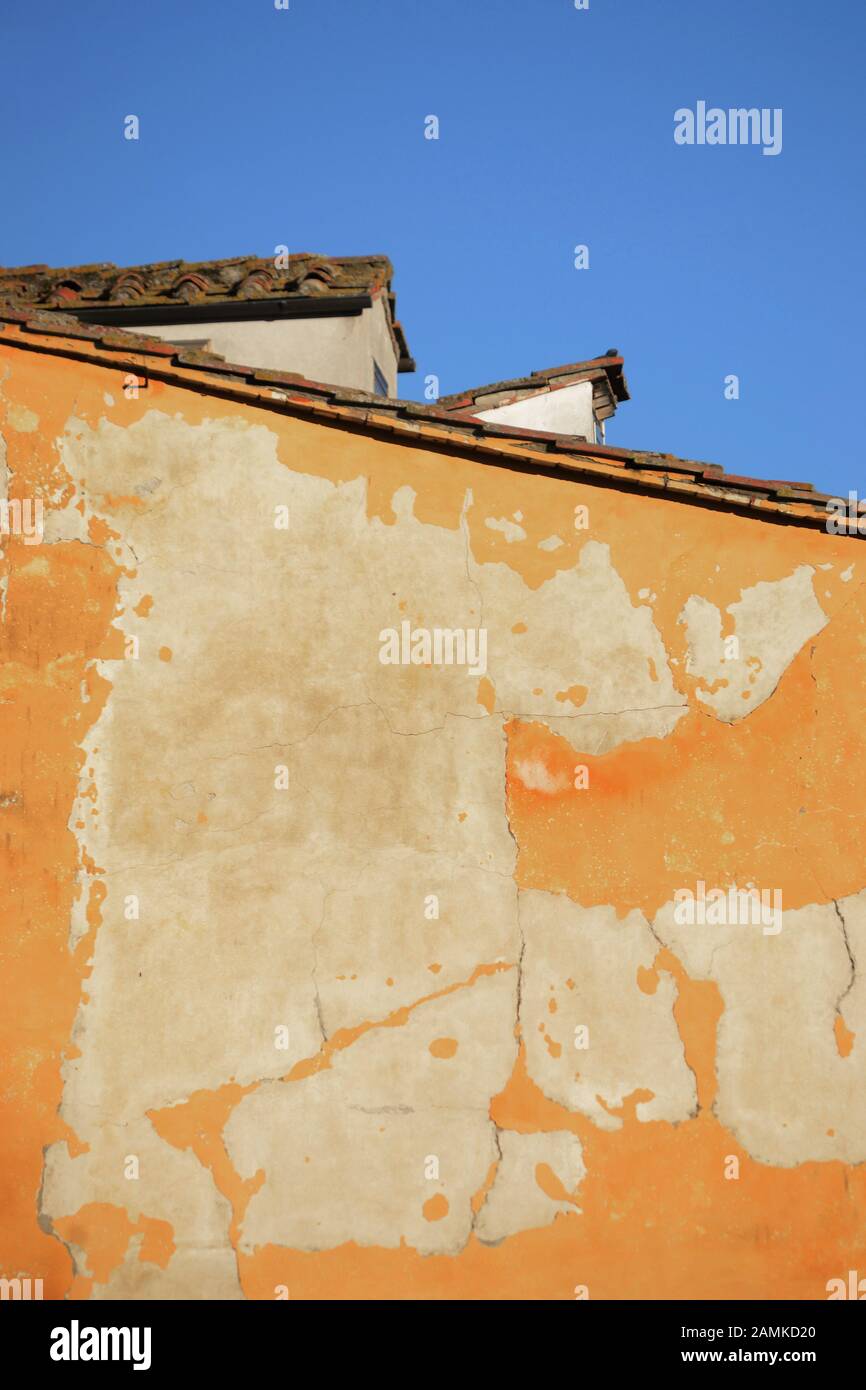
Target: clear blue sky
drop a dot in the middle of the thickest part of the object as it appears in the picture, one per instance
(305, 127)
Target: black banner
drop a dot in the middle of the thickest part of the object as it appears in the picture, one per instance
(67, 1339)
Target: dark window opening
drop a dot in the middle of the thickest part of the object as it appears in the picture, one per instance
(380, 385)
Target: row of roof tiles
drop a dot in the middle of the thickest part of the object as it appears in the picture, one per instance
(439, 424)
(604, 373)
(173, 284)
(608, 368)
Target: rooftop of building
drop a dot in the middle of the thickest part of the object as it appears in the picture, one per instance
(605, 373)
(428, 425)
(242, 286)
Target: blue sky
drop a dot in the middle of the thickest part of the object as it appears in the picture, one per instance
(305, 127)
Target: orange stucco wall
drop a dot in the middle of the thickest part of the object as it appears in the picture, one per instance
(771, 796)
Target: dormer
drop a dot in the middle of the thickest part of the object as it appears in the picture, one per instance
(577, 399)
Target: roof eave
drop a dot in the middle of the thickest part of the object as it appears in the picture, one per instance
(662, 475)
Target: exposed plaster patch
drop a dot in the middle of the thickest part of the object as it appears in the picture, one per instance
(535, 776)
(355, 1152)
(784, 1090)
(582, 630)
(602, 1052)
(772, 621)
(404, 910)
(522, 1196)
(19, 418)
(509, 529)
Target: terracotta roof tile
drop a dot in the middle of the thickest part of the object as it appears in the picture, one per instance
(646, 471)
(605, 372)
(87, 289)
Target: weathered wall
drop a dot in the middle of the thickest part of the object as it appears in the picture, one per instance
(242, 1054)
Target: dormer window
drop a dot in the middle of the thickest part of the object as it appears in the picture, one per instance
(577, 399)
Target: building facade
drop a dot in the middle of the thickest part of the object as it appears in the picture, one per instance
(433, 847)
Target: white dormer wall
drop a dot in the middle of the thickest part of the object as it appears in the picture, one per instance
(339, 349)
(566, 411)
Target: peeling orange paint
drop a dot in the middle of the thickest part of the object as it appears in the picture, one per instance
(480, 1197)
(774, 798)
(787, 820)
(197, 1124)
(575, 694)
(345, 1037)
(551, 1185)
(486, 694)
(436, 1208)
(650, 1189)
(57, 623)
(845, 1039)
(103, 1233)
